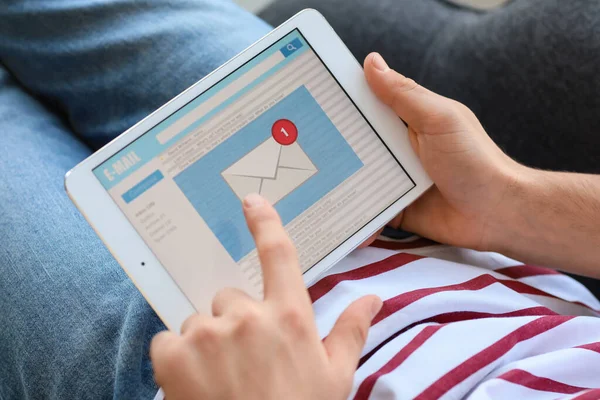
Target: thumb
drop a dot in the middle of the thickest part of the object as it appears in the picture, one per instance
(349, 334)
(409, 100)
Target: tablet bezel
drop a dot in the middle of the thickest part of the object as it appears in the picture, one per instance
(128, 247)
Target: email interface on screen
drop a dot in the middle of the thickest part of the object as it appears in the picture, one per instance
(280, 126)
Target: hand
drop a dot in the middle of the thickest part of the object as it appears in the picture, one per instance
(472, 175)
(266, 349)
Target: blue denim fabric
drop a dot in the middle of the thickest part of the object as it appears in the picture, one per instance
(74, 74)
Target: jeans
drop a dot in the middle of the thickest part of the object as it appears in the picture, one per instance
(73, 75)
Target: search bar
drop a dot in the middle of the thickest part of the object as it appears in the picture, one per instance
(291, 47)
(221, 96)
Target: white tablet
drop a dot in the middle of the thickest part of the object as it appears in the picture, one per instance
(291, 118)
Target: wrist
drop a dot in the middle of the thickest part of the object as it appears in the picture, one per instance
(508, 225)
(549, 218)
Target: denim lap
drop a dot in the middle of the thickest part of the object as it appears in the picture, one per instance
(105, 65)
(73, 324)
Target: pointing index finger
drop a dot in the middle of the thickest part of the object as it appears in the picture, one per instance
(279, 262)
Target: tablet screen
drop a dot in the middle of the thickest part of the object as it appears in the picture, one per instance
(280, 125)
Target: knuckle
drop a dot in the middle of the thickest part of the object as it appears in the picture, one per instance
(461, 108)
(160, 340)
(263, 217)
(171, 356)
(223, 292)
(249, 318)
(359, 334)
(202, 333)
(222, 296)
(275, 246)
(402, 84)
(445, 116)
(294, 320)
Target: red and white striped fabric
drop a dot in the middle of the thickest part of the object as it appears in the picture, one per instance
(463, 324)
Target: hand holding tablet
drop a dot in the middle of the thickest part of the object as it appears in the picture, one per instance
(291, 118)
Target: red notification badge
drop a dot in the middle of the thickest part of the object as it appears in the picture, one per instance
(284, 132)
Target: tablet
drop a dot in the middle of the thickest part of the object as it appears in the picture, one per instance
(291, 118)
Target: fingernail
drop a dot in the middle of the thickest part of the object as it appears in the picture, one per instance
(253, 200)
(379, 63)
(376, 307)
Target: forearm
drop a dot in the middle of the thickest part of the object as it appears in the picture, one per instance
(552, 219)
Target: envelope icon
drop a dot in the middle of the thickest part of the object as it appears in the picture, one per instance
(272, 170)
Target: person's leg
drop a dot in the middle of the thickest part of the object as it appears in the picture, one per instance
(528, 70)
(104, 65)
(74, 325)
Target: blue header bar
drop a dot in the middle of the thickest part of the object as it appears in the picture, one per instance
(147, 146)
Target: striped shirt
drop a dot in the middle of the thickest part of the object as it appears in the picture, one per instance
(459, 324)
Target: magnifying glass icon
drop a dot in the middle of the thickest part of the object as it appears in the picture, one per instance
(291, 47)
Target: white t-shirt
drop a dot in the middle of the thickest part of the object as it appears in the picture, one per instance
(458, 323)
